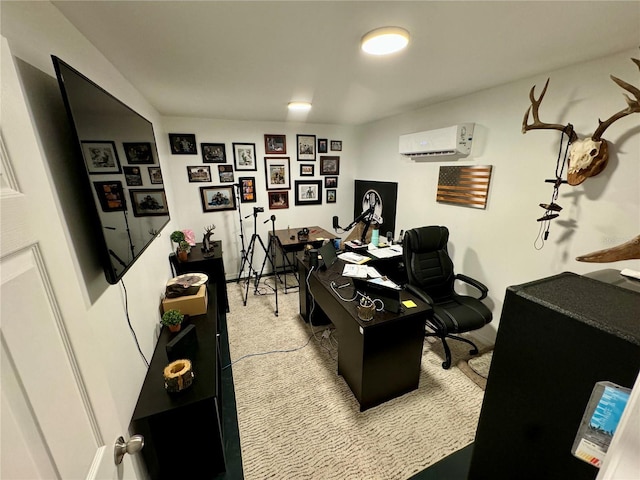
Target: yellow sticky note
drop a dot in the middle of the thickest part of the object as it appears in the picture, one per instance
(409, 303)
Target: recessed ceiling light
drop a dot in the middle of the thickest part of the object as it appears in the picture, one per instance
(385, 40)
(299, 106)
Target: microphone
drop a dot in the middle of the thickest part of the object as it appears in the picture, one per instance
(273, 219)
(335, 222)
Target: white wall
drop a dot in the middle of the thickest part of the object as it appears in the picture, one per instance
(496, 245)
(187, 195)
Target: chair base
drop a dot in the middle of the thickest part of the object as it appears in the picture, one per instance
(447, 351)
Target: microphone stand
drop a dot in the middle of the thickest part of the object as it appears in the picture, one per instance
(365, 215)
(271, 260)
(243, 251)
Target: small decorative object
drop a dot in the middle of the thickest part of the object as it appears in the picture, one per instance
(207, 244)
(178, 375)
(466, 186)
(189, 236)
(183, 250)
(366, 309)
(177, 236)
(172, 319)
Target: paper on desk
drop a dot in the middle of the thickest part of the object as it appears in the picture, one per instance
(353, 257)
(385, 252)
(360, 271)
(385, 282)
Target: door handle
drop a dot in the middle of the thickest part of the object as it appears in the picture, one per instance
(131, 446)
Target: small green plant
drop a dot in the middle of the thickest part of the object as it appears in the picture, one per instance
(184, 246)
(172, 317)
(177, 237)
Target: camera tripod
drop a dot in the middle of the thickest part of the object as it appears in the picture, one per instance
(247, 258)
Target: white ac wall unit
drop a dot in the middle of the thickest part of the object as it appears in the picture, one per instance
(452, 142)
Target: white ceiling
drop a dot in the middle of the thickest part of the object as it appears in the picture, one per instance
(246, 60)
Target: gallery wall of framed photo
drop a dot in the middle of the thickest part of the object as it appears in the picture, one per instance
(221, 170)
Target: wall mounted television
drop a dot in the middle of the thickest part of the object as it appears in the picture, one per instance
(116, 148)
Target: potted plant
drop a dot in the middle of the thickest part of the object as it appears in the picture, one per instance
(177, 237)
(172, 319)
(183, 250)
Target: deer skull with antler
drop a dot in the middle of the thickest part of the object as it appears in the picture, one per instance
(587, 156)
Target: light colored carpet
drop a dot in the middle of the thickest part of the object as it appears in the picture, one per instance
(477, 367)
(298, 419)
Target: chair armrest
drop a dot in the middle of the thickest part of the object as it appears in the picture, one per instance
(474, 283)
(419, 293)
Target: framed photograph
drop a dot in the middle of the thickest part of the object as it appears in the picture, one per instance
(217, 199)
(336, 145)
(331, 195)
(306, 147)
(149, 202)
(199, 173)
(133, 176)
(244, 156)
(278, 200)
(330, 182)
(111, 196)
(183, 143)
(155, 175)
(307, 170)
(247, 189)
(276, 170)
(329, 165)
(275, 144)
(322, 145)
(308, 192)
(101, 157)
(138, 153)
(213, 152)
(225, 173)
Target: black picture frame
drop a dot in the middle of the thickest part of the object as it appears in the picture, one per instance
(155, 175)
(275, 144)
(308, 192)
(277, 173)
(330, 182)
(199, 173)
(278, 199)
(306, 147)
(183, 144)
(244, 157)
(149, 202)
(217, 198)
(330, 165)
(307, 169)
(247, 189)
(323, 145)
(133, 176)
(138, 153)
(336, 145)
(225, 173)
(110, 195)
(331, 195)
(101, 157)
(213, 152)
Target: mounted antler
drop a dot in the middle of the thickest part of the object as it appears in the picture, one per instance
(587, 156)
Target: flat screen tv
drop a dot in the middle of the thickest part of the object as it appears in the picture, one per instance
(117, 151)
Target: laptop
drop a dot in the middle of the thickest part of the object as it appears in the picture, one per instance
(327, 255)
(389, 296)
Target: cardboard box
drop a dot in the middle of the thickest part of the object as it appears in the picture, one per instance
(188, 304)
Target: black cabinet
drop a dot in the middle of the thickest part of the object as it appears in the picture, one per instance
(213, 266)
(183, 431)
(557, 337)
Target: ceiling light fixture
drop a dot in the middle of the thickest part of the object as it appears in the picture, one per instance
(385, 40)
(299, 106)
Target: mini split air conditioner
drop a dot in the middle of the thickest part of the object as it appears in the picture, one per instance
(453, 142)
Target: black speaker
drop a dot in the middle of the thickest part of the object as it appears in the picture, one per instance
(557, 337)
(313, 258)
(183, 345)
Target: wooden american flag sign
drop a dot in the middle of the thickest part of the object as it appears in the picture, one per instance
(467, 186)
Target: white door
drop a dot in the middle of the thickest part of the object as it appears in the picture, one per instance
(57, 420)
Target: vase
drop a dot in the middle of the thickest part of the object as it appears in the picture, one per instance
(182, 255)
(175, 328)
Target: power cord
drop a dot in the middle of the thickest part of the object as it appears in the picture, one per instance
(126, 309)
(268, 353)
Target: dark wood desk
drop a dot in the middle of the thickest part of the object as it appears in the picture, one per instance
(380, 359)
(213, 266)
(183, 431)
(286, 241)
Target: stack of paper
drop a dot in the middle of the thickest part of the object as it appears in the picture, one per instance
(353, 257)
(360, 271)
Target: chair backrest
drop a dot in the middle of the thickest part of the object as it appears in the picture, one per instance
(427, 261)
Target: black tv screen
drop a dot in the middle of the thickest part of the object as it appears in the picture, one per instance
(117, 151)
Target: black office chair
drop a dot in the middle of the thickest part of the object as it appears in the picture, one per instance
(431, 278)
